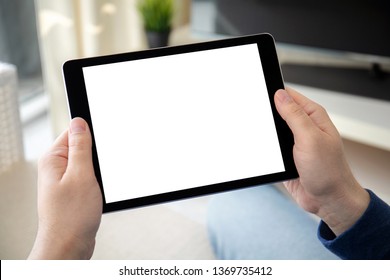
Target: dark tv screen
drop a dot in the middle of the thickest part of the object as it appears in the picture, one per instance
(339, 27)
(358, 26)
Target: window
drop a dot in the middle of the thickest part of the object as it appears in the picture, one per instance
(19, 45)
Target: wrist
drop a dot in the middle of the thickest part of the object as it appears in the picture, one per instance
(51, 246)
(343, 210)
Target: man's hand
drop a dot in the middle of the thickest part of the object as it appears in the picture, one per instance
(326, 186)
(69, 198)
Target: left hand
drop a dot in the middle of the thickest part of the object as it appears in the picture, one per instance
(69, 197)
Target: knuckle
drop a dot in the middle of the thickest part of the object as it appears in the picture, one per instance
(51, 155)
(79, 142)
(296, 112)
(321, 109)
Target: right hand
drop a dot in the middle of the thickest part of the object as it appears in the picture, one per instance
(326, 185)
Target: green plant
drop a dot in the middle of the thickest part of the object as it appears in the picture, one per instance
(156, 14)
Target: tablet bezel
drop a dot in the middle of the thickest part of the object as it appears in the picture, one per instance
(79, 107)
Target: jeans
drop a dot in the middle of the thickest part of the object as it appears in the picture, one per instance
(262, 223)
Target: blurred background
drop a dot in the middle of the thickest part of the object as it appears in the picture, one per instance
(335, 52)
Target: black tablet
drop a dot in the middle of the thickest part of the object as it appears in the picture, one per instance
(183, 121)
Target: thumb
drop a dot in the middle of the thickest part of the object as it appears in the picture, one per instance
(80, 145)
(294, 114)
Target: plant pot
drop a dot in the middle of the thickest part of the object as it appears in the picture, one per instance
(157, 39)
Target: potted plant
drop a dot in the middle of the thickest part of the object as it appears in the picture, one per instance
(157, 20)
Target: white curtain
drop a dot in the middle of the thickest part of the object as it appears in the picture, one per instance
(70, 29)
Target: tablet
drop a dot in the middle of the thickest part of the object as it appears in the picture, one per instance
(183, 121)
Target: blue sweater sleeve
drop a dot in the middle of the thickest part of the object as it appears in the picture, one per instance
(368, 238)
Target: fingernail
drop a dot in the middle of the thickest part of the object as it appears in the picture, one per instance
(77, 125)
(283, 96)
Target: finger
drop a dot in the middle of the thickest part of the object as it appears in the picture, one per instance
(316, 112)
(55, 160)
(298, 97)
(293, 113)
(61, 141)
(80, 146)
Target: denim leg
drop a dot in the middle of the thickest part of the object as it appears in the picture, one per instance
(262, 223)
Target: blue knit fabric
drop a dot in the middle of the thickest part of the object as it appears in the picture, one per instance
(368, 238)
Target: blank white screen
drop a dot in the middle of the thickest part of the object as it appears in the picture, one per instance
(181, 121)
